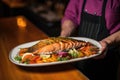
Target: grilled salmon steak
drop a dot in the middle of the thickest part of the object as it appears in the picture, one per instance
(53, 44)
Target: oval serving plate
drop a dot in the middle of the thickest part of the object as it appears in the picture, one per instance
(15, 51)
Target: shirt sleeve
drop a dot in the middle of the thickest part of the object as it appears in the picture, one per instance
(71, 12)
(113, 16)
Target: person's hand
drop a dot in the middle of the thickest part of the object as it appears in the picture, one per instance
(104, 48)
(112, 40)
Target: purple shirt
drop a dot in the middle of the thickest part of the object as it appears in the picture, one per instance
(112, 13)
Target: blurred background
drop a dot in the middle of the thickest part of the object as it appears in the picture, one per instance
(45, 14)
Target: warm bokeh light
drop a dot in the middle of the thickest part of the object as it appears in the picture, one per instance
(21, 22)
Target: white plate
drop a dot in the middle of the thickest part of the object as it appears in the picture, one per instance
(15, 51)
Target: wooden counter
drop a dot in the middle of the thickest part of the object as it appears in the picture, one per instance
(11, 35)
(14, 3)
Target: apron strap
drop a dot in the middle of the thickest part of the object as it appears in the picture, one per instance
(84, 2)
(103, 30)
(103, 22)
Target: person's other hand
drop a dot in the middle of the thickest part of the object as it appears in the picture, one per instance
(104, 48)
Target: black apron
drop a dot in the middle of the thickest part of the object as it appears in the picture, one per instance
(94, 27)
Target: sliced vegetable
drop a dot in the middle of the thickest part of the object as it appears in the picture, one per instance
(62, 54)
(44, 56)
(63, 58)
(74, 53)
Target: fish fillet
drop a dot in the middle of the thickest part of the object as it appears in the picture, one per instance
(53, 44)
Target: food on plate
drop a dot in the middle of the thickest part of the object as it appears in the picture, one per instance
(56, 49)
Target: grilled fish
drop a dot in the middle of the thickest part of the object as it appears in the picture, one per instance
(53, 44)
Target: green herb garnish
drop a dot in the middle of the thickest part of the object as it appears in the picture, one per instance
(18, 58)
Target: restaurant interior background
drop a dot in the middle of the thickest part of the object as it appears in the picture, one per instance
(45, 14)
